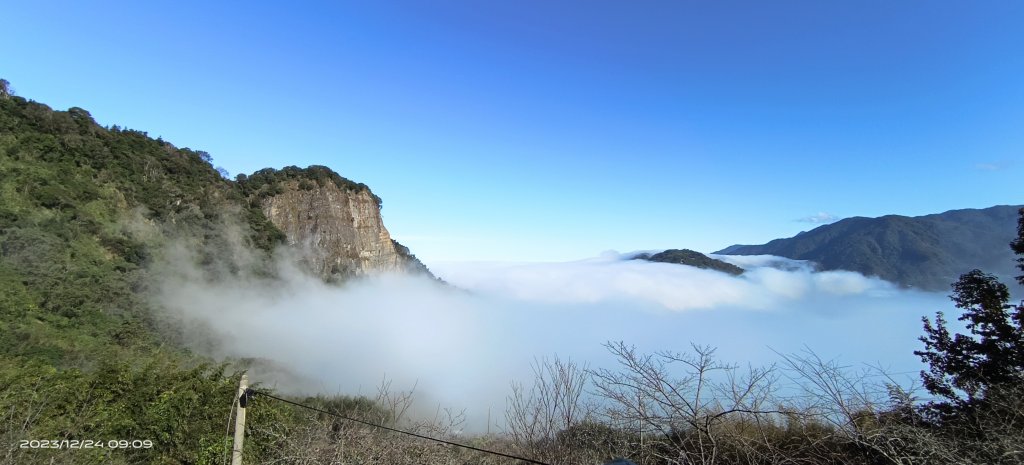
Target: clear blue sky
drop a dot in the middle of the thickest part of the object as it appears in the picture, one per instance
(541, 130)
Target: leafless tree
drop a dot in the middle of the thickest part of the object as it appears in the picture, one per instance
(687, 406)
(555, 404)
(874, 417)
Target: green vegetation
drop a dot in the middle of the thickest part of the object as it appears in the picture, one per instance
(84, 354)
(181, 408)
(83, 210)
(691, 258)
(978, 378)
(413, 264)
(269, 182)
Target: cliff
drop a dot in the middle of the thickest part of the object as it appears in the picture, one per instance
(334, 222)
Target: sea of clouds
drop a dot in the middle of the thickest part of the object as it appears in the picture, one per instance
(612, 277)
(461, 344)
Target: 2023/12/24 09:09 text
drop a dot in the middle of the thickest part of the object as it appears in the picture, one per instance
(86, 444)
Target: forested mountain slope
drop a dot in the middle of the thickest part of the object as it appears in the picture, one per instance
(927, 252)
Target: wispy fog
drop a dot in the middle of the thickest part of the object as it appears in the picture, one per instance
(462, 344)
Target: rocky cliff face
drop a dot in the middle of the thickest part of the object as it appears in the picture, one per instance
(337, 227)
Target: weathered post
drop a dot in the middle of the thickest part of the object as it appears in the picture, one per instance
(236, 450)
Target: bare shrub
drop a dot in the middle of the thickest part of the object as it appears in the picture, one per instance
(545, 422)
(687, 408)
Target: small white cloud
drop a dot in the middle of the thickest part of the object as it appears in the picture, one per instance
(993, 166)
(763, 261)
(819, 218)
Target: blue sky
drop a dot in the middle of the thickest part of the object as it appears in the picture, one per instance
(538, 130)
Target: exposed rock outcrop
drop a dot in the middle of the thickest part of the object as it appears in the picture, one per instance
(335, 223)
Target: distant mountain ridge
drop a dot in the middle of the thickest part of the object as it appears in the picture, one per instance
(927, 252)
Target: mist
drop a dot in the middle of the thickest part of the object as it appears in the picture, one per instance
(460, 345)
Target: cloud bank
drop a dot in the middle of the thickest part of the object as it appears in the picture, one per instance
(768, 282)
(461, 345)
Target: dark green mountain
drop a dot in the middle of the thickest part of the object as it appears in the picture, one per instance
(691, 258)
(926, 252)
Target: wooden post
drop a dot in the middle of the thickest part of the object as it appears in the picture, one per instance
(236, 451)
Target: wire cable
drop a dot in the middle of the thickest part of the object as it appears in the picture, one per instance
(250, 392)
(227, 431)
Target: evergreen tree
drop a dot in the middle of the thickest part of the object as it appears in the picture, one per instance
(964, 368)
(1018, 246)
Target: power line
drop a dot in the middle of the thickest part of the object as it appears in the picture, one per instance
(251, 392)
(227, 430)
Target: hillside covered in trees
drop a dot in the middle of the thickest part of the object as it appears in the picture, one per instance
(85, 212)
(690, 258)
(927, 252)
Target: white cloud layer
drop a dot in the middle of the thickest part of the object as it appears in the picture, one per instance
(461, 346)
(768, 282)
